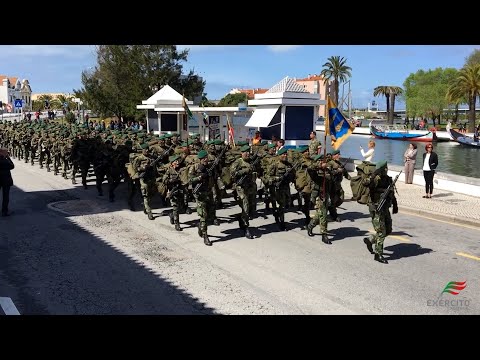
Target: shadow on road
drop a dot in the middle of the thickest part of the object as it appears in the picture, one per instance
(404, 250)
(58, 267)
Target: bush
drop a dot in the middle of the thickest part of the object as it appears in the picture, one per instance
(70, 117)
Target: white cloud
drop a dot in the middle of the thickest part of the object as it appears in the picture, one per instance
(282, 48)
(46, 50)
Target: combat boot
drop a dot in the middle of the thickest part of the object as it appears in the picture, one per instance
(41, 166)
(55, 172)
(200, 232)
(172, 220)
(206, 240)
(188, 211)
(367, 242)
(131, 206)
(310, 229)
(380, 258)
(240, 224)
(85, 187)
(216, 222)
(111, 197)
(150, 215)
(248, 235)
(307, 221)
(325, 239)
(48, 168)
(177, 226)
(267, 205)
(74, 182)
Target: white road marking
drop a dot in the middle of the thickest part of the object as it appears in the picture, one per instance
(8, 306)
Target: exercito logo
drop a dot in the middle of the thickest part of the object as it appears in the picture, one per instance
(452, 288)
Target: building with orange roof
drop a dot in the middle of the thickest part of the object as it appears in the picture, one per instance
(12, 88)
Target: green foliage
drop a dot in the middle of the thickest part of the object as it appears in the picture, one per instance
(206, 102)
(70, 117)
(233, 99)
(335, 69)
(127, 74)
(473, 58)
(426, 92)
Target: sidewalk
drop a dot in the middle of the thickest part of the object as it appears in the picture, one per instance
(444, 205)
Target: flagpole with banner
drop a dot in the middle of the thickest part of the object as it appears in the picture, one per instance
(327, 128)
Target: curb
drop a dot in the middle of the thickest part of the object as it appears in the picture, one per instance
(444, 217)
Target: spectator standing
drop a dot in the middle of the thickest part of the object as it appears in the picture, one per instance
(410, 157)
(368, 155)
(430, 163)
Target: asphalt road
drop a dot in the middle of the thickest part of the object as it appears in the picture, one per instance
(67, 251)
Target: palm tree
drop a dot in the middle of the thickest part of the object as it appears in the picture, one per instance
(336, 69)
(394, 91)
(467, 84)
(66, 100)
(45, 97)
(383, 91)
(455, 99)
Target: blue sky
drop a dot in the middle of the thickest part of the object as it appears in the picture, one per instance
(57, 68)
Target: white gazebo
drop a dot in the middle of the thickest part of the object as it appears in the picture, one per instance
(287, 111)
(165, 114)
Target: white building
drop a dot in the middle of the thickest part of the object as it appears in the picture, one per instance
(11, 89)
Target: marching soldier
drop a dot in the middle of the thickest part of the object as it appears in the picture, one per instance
(175, 190)
(269, 188)
(142, 165)
(378, 183)
(281, 174)
(244, 179)
(303, 183)
(337, 196)
(202, 192)
(319, 173)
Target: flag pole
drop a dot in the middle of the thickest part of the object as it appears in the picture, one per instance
(327, 124)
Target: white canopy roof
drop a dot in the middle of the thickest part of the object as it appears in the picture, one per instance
(165, 93)
(262, 116)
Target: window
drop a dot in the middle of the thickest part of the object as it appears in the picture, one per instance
(298, 122)
(273, 128)
(168, 122)
(153, 120)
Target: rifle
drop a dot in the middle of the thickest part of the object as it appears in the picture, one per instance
(155, 162)
(242, 179)
(384, 196)
(172, 192)
(285, 176)
(216, 161)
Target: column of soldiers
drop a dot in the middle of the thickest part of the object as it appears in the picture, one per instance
(190, 171)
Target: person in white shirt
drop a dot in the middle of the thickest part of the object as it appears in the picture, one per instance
(368, 155)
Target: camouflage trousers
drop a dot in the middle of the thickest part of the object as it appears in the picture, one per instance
(382, 224)
(283, 198)
(148, 188)
(205, 209)
(246, 200)
(320, 216)
(177, 200)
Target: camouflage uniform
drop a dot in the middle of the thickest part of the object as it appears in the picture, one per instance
(381, 220)
(141, 164)
(269, 188)
(319, 175)
(303, 183)
(313, 147)
(176, 192)
(244, 178)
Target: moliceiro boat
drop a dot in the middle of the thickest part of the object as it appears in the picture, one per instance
(400, 132)
(463, 139)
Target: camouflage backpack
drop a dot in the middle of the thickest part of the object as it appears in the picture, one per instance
(360, 192)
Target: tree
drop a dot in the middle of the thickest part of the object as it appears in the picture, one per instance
(473, 58)
(127, 74)
(383, 91)
(336, 69)
(394, 92)
(45, 100)
(233, 99)
(426, 92)
(65, 99)
(206, 102)
(467, 84)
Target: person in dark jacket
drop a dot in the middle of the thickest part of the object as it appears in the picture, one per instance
(430, 163)
(6, 180)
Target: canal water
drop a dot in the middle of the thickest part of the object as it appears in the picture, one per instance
(453, 158)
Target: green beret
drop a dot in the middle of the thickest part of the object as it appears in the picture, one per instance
(141, 135)
(167, 136)
(271, 146)
(218, 142)
(242, 143)
(161, 137)
(210, 142)
(318, 157)
(175, 135)
(184, 144)
(245, 148)
(282, 151)
(173, 158)
(193, 136)
(144, 146)
(381, 164)
(302, 149)
(335, 152)
(264, 142)
(202, 154)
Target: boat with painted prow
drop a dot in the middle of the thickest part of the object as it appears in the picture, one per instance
(400, 132)
(463, 139)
